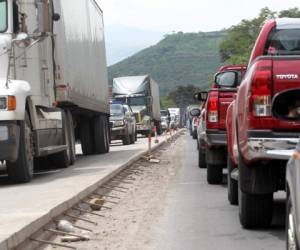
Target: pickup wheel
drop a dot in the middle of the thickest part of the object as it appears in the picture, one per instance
(86, 136)
(21, 171)
(232, 185)
(63, 158)
(201, 155)
(126, 139)
(214, 174)
(132, 137)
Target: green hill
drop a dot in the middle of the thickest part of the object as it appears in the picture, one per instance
(179, 59)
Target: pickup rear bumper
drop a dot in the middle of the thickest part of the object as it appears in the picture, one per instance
(216, 137)
(271, 145)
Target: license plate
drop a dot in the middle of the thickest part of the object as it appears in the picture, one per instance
(3, 133)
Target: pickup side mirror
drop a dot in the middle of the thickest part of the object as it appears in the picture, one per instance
(228, 79)
(195, 112)
(286, 105)
(201, 96)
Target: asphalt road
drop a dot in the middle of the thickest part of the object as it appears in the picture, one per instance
(198, 215)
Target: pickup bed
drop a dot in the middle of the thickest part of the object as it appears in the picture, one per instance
(212, 127)
(253, 134)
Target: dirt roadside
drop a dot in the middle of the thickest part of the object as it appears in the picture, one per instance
(133, 222)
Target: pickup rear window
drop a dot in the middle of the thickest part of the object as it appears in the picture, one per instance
(283, 42)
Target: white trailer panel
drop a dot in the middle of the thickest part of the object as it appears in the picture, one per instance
(80, 58)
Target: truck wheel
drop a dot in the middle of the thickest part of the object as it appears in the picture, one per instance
(21, 171)
(232, 185)
(101, 135)
(86, 137)
(63, 159)
(214, 174)
(201, 156)
(71, 134)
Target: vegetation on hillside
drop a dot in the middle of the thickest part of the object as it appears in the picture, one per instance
(179, 59)
(239, 41)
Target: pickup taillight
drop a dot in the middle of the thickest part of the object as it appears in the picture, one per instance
(260, 100)
(213, 110)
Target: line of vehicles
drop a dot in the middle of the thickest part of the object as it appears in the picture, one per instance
(249, 123)
(54, 87)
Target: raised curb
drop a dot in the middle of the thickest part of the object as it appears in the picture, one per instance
(19, 237)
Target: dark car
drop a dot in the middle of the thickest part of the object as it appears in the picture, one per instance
(286, 107)
(122, 123)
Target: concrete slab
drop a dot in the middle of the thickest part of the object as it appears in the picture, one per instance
(26, 208)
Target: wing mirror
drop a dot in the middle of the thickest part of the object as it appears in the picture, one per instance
(201, 96)
(286, 105)
(228, 79)
(22, 40)
(195, 112)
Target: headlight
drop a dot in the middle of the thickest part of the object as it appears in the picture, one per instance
(8, 103)
(119, 123)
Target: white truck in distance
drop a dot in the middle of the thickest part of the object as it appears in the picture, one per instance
(53, 83)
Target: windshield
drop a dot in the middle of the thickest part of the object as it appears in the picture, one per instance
(3, 15)
(164, 113)
(116, 109)
(283, 42)
(137, 101)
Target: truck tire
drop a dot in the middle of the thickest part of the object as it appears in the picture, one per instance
(86, 137)
(101, 135)
(21, 171)
(201, 156)
(63, 158)
(232, 185)
(71, 133)
(214, 174)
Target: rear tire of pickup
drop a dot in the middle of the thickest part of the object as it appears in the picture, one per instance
(86, 137)
(232, 185)
(214, 174)
(255, 211)
(201, 156)
(21, 171)
(63, 158)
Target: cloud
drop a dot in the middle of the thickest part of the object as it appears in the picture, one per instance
(187, 15)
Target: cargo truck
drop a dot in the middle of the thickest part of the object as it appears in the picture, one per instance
(141, 93)
(53, 83)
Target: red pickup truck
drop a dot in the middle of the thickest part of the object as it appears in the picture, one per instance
(212, 127)
(254, 136)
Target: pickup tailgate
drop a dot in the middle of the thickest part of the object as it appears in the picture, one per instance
(286, 75)
(226, 96)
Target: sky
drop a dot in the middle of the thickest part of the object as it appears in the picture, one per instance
(165, 16)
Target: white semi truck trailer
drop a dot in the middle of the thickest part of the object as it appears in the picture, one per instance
(53, 83)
